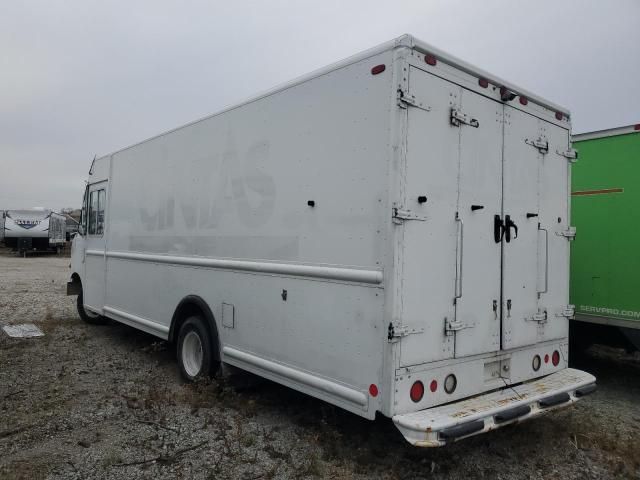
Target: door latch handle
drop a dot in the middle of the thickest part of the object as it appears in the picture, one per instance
(508, 223)
(498, 228)
(509, 308)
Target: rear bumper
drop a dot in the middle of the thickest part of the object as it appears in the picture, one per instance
(438, 426)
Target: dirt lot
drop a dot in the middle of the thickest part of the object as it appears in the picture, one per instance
(107, 402)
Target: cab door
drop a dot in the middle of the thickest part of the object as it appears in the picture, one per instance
(95, 247)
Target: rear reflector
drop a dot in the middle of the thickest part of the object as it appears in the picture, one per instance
(546, 358)
(483, 82)
(430, 59)
(417, 391)
(378, 69)
(433, 386)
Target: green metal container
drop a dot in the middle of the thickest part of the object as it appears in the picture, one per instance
(605, 255)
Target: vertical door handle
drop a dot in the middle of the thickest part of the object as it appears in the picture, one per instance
(508, 223)
(546, 260)
(498, 228)
(459, 253)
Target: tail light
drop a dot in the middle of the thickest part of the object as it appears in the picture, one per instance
(555, 358)
(417, 391)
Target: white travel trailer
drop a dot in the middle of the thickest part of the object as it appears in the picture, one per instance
(389, 234)
(34, 229)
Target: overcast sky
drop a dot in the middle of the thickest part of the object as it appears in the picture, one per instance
(86, 77)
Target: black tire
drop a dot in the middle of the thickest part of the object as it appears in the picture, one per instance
(195, 350)
(88, 317)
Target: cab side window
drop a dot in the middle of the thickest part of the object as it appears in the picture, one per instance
(93, 210)
(100, 213)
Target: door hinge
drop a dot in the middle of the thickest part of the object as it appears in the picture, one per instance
(406, 100)
(458, 118)
(453, 326)
(397, 331)
(568, 311)
(399, 215)
(569, 233)
(541, 144)
(540, 317)
(571, 154)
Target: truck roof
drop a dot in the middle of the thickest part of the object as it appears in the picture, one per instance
(405, 40)
(610, 132)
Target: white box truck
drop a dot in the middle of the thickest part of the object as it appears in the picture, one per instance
(389, 234)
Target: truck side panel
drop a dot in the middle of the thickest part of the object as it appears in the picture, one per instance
(605, 200)
(288, 197)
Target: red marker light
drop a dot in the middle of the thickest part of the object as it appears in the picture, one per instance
(546, 358)
(378, 69)
(433, 386)
(430, 59)
(417, 391)
(523, 100)
(373, 390)
(483, 82)
(558, 115)
(636, 127)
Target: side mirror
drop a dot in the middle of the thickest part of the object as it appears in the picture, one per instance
(81, 230)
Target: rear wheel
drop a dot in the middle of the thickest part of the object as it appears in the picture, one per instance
(195, 350)
(87, 315)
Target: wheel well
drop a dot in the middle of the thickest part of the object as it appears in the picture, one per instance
(189, 306)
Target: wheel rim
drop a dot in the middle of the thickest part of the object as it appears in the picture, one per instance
(192, 354)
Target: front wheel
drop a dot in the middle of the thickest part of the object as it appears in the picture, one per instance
(87, 315)
(195, 350)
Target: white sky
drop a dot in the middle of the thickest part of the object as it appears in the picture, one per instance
(86, 77)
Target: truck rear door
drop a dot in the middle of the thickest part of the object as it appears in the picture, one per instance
(535, 281)
(485, 264)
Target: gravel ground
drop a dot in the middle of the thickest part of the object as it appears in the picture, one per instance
(87, 402)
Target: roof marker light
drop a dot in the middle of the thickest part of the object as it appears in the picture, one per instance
(483, 82)
(559, 115)
(637, 127)
(523, 100)
(430, 59)
(378, 69)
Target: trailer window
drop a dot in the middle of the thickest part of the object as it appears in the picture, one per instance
(100, 216)
(93, 210)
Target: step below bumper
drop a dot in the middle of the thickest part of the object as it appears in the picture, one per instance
(438, 426)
